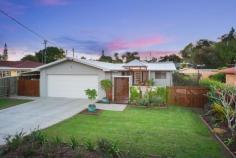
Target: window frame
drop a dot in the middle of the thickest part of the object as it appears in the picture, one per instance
(162, 75)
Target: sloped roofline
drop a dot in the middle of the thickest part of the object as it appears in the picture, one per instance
(120, 67)
(69, 59)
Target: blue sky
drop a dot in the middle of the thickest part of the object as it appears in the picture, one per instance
(157, 26)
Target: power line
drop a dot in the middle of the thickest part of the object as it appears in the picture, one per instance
(22, 25)
(45, 41)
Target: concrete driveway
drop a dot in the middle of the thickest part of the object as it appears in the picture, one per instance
(42, 113)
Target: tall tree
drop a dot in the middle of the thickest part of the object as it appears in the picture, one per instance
(187, 51)
(52, 54)
(212, 54)
(129, 56)
(173, 57)
(30, 58)
(105, 58)
(117, 58)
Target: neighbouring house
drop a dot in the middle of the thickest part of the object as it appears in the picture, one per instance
(69, 77)
(15, 68)
(230, 75)
(204, 73)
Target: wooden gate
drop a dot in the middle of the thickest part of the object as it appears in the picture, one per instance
(121, 89)
(187, 96)
(28, 88)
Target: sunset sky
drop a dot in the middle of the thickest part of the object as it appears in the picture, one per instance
(89, 26)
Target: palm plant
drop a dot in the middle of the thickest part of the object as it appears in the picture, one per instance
(106, 86)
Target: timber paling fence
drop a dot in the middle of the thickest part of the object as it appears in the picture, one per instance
(187, 96)
(8, 86)
(12, 86)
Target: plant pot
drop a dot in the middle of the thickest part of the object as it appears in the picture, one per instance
(91, 107)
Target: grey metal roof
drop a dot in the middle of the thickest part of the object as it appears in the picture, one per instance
(163, 66)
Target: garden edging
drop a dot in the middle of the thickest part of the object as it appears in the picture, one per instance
(218, 138)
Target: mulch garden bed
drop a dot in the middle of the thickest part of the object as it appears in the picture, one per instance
(222, 137)
(86, 112)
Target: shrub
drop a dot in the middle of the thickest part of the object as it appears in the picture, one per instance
(180, 79)
(74, 143)
(107, 148)
(13, 142)
(150, 82)
(156, 101)
(220, 77)
(143, 102)
(89, 145)
(211, 84)
(134, 95)
(162, 93)
(37, 136)
(57, 141)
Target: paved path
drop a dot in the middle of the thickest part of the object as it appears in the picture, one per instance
(42, 113)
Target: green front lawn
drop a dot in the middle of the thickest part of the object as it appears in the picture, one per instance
(175, 131)
(5, 103)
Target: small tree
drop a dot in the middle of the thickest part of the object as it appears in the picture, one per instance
(91, 93)
(106, 86)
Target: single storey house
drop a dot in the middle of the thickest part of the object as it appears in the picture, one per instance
(69, 77)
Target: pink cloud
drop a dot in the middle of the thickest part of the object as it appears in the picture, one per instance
(133, 44)
(156, 53)
(53, 2)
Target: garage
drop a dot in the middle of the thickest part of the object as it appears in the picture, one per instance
(71, 86)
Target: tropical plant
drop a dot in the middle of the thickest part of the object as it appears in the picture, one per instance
(226, 97)
(106, 86)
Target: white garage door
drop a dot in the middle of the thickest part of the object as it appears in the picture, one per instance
(71, 86)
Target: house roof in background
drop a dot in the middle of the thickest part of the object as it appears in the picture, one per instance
(19, 64)
(164, 66)
(231, 70)
(135, 63)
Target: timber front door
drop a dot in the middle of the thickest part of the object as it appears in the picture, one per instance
(121, 90)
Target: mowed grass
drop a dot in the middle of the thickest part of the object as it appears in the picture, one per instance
(6, 103)
(176, 131)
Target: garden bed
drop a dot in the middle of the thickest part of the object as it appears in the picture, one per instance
(224, 137)
(85, 111)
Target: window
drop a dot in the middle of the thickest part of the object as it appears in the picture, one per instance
(160, 75)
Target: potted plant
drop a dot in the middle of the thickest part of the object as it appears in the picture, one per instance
(92, 94)
(106, 86)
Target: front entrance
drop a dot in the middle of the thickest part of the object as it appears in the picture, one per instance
(121, 89)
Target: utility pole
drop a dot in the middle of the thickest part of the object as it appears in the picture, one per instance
(44, 57)
(66, 52)
(73, 50)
